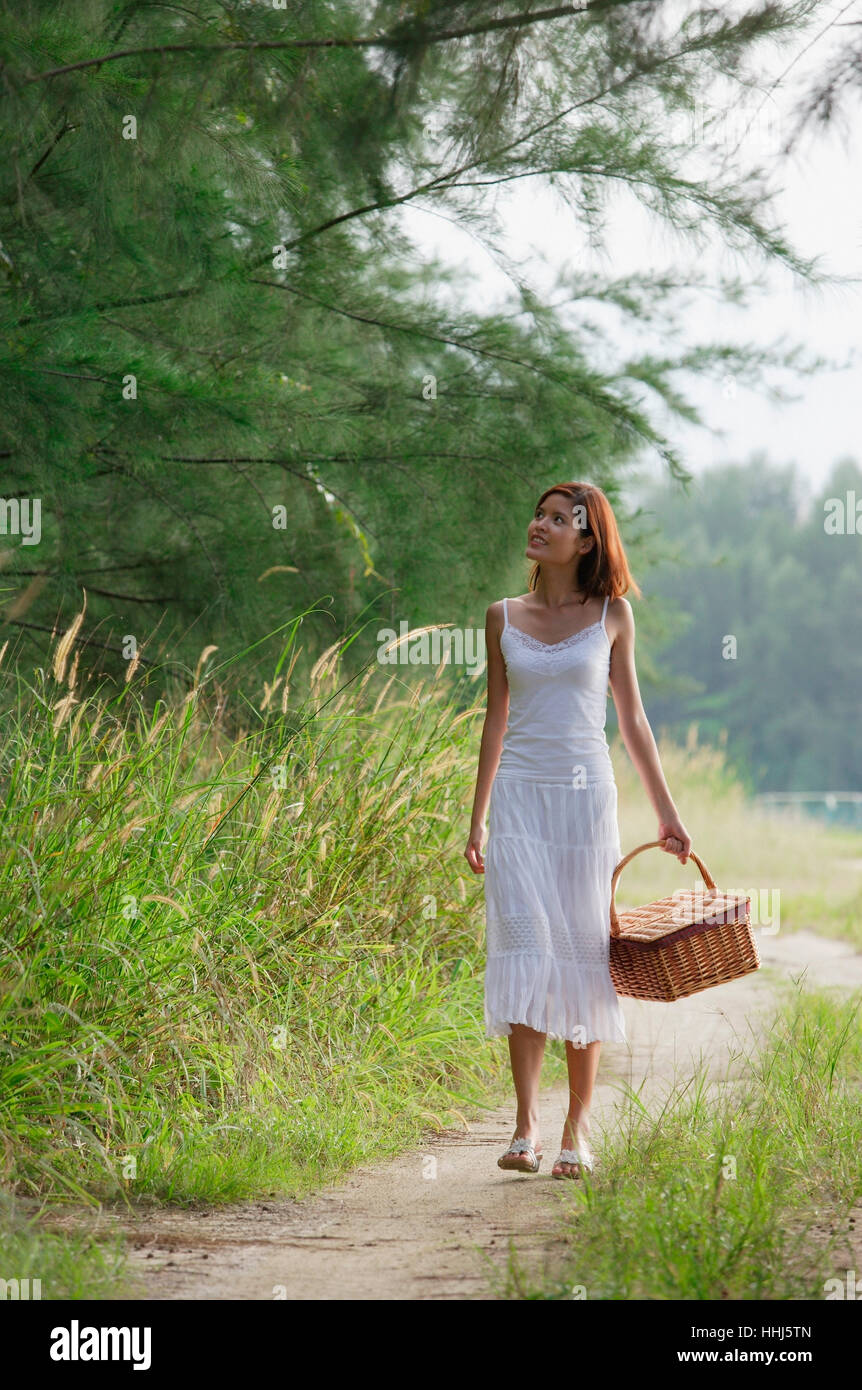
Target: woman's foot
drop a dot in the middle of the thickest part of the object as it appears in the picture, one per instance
(522, 1162)
(575, 1139)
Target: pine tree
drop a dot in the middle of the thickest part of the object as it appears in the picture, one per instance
(226, 373)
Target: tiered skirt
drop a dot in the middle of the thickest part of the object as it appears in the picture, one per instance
(551, 852)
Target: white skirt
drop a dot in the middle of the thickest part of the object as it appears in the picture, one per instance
(551, 852)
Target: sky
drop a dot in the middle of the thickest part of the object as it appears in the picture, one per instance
(818, 203)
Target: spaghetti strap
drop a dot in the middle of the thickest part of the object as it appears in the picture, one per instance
(604, 610)
(505, 614)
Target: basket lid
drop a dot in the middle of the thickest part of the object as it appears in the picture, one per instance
(686, 911)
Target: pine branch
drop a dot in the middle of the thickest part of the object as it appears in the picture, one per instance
(107, 569)
(133, 598)
(118, 304)
(413, 330)
(64, 130)
(72, 376)
(99, 569)
(421, 38)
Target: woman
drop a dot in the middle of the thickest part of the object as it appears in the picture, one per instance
(546, 781)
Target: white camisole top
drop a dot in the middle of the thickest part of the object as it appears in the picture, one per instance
(558, 693)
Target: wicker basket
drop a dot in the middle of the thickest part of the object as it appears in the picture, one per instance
(681, 944)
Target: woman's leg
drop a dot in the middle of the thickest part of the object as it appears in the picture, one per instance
(582, 1063)
(526, 1050)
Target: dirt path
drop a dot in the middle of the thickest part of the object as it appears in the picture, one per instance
(434, 1223)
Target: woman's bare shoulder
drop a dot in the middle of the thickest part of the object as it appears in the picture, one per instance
(620, 606)
(495, 617)
(620, 618)
(521, 598)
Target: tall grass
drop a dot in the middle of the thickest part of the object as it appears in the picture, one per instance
(233, 964)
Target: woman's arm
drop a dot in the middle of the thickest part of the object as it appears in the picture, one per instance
(637, 734)
(496, 715)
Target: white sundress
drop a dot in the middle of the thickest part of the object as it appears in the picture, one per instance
(553, 843)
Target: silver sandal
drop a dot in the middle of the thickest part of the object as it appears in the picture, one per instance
(572, 1156)
(519, 1152)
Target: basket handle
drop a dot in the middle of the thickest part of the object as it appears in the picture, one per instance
(651, 844)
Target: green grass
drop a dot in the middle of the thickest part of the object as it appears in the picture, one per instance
(240, 956)
(67, 1266)
(228, 967)
(741, 1190)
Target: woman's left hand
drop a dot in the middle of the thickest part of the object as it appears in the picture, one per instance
(677, 837)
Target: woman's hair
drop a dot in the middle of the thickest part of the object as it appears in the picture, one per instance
(604, 569)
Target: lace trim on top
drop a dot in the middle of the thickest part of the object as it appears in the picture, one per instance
(536, 645)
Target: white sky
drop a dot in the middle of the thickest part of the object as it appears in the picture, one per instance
(819, 204)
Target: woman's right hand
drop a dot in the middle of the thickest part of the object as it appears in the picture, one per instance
(473, 852)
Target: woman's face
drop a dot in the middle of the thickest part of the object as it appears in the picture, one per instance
(552, 536)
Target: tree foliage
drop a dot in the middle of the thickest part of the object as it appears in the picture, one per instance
(767, 593)
(212, 308)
